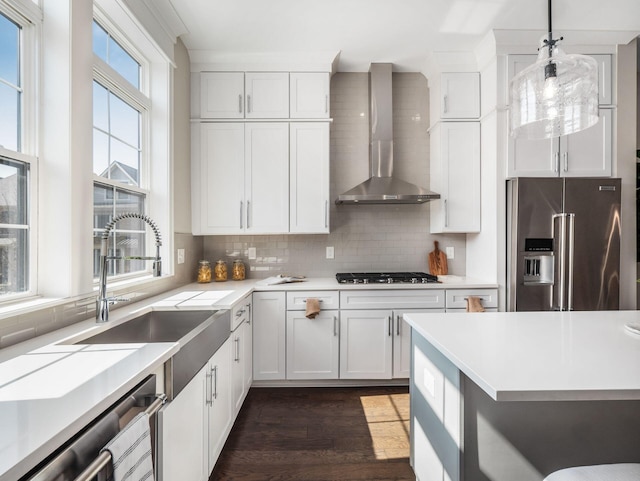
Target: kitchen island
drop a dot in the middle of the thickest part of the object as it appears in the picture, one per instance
(506, 396)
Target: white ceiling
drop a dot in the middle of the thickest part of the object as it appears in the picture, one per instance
(403, 32)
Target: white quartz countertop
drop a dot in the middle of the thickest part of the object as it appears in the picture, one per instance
(515, 356)
(51, 388)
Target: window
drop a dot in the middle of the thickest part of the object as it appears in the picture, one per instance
(16, 160)
(119, 113)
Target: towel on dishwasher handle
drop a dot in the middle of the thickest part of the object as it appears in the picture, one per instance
(313, 308)
(131, 451)
(474, 304)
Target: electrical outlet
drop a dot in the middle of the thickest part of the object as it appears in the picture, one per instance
(251, 252)
(330, 252)
(180, 256)
(450, 253)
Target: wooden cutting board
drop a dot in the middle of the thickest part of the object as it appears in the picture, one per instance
(438, 261)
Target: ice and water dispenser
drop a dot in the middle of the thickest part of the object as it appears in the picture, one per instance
(538, 262)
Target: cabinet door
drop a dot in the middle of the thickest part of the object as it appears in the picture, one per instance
(267, 178)
(218, 398)
(460, 95)
(459, 178)
(220, 179)
(247, 340)
(312, 345)
(588, 153)
(238, 387)
(222, 95)
(184, 433)
(402, 342)
(269, 321)
(366, 343)
(309, 171)
(309, 95)
(267, 95)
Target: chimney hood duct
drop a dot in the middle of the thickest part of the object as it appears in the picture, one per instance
(382, 187)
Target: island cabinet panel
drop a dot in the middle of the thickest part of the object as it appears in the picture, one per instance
(436, 414)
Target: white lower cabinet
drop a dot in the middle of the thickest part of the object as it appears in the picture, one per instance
(269, 336)
(241, 363)
(312, 345)
(184, 433)
(218, 403)
(366, 344)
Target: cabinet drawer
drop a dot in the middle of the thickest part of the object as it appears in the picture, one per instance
(297, 301)
(392, 299)
(240, 313)
(457, 298)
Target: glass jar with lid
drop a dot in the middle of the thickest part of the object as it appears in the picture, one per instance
(220, 271)
(238, 270)
(204, 271)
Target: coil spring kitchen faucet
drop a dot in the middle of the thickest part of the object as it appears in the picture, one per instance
(103, 302)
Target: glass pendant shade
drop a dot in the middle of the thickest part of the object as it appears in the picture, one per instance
(558, 95)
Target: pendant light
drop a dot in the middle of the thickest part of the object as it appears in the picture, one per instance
(558, 95)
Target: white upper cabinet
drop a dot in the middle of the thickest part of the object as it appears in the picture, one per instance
(238, 95)
(587, 153)
(455, 175)
(309, 95)
(267, 95)
(460, 95)
(309, 178)
(222, 95)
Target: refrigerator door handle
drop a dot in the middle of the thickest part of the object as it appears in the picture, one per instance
(572, 221)
(560, 247)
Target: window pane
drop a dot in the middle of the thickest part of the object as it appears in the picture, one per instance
(125, 121)
(123, 63)
(100, 153)
(130, 244)
(9, 51)
(100, 40)
(9, 117)
(124, 164)
(100, 107)
(13, 261)
(130, 202)
(102, 206)
(13, 192)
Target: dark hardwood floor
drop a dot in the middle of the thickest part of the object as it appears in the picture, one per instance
(319, 434)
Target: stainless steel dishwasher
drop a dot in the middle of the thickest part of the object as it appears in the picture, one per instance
(80, 459)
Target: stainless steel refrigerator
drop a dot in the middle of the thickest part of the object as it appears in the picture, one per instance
(563, 244)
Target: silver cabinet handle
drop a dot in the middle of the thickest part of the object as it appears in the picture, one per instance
(237, 341)
(399, 320)
(248, 104)
(240, 312)
(248, 213)
(241, 226)
(326, 213)
(214, 394)
(335, 325)
(248, 306)
(208, 389)
(390, 321)
(565, 157)
(326, 104)
(445, 101)
(446, 213)
(557, 162)
(239, 103)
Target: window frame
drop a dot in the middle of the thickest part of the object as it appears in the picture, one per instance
(28, 16)
(116, 84)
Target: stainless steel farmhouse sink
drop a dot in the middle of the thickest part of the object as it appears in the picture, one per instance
(199, 333)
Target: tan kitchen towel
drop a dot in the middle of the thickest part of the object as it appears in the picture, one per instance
(474, 304)
(313, 308)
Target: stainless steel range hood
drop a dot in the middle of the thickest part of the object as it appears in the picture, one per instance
(382, 187)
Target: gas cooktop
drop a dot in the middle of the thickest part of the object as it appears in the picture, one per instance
(386, 278)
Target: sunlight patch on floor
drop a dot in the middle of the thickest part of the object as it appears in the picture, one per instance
(387, 418)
